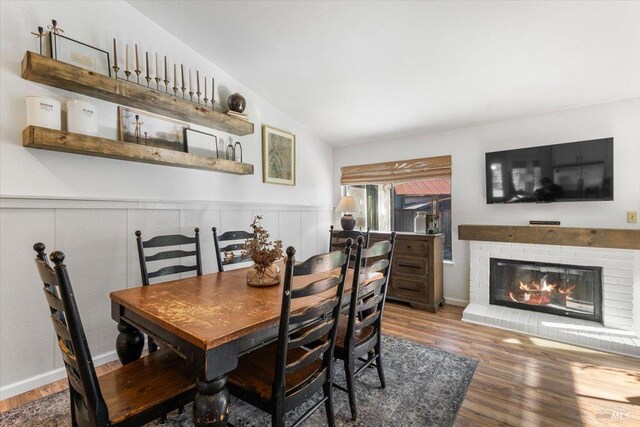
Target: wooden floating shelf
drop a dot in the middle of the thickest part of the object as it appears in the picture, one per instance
(563, 236)
(51, 72)
(56, 140)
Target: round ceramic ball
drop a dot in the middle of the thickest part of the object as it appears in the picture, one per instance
(236, 102)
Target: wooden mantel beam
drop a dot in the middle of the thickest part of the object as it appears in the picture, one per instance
(559, 236)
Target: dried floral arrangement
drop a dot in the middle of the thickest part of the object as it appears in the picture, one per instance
(262, 252)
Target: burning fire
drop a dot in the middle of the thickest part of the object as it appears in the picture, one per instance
(541, 293)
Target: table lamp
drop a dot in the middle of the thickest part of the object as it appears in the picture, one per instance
(347, 206)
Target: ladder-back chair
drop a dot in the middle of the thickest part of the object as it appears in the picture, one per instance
(230, 249)
(163, 242)
(132, 395)
(360, 333)
(282, 376)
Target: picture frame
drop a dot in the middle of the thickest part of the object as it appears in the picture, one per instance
(152, 129)
(65, 49)
(278, 156)
(200, 143)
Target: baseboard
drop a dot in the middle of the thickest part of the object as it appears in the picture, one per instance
(40, 380)
(454, 301)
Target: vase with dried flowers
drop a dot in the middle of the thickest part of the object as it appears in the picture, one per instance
(264, 254)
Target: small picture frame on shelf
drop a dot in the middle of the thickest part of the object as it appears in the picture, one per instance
(278, 156)
(139, 127)
(201, 143)
(76, 53)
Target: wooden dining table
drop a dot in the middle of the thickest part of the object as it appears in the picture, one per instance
(209, 320)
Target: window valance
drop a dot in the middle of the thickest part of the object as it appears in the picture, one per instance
(397, 171)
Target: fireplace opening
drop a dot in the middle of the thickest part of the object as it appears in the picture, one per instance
(565, 290)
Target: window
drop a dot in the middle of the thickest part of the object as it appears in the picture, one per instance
(394, 206)
(391, 194)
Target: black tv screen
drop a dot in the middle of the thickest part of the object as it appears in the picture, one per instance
(575, 171)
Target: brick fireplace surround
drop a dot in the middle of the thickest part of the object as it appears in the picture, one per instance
(620, 329)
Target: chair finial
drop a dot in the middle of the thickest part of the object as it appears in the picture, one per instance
(349, 242)
(291, 251)
(360, 240)
(214, 229)
(138, 233)
(197, 230)
(39, 247)
(57, 257)
(331, 228)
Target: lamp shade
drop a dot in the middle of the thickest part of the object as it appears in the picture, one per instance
(348, 204)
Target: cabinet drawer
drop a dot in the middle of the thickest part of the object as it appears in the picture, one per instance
(412, 247)
(409, 288)
(410, 266)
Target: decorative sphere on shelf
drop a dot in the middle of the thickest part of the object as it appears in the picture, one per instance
(236, 102)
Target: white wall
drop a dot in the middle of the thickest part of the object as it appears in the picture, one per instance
(467, 146)
(44, 173)
(89, 207)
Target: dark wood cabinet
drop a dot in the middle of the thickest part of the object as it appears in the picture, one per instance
(416, 273)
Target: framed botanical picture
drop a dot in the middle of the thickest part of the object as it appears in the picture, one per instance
(140, 127)
(278, 156)
(79, 54)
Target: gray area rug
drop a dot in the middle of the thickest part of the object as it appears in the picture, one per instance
(425, 387)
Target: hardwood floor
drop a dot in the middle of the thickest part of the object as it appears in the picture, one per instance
(520, 381)
(527, 381)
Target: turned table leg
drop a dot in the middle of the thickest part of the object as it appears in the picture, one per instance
(212, 404)
(129, 343)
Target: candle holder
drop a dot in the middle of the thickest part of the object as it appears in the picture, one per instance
(198, 93)
(183, 90)
(157, 79)
(116, 69)
(39, 35)
(166, 85)
(191, 95)
(138, 72)
(206, 101)
(127, 73)
(148, 79)
(175, 91)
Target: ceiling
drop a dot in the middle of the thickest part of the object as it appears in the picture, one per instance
(358, 71)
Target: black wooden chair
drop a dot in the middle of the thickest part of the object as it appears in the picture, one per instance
(338, 237)
(282, 376)
(222, 252)
(166, 241)
(359, 333)
(132, 395)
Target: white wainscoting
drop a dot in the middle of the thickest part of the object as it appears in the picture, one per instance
(98, 239)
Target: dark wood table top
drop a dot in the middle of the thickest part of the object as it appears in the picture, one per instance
(210, 310)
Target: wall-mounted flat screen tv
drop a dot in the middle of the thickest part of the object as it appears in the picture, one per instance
(575, 171)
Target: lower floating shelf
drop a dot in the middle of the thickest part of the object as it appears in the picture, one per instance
(56, 140)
